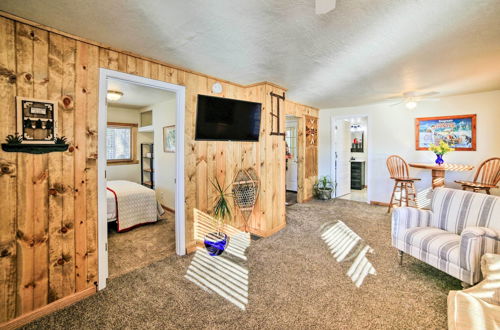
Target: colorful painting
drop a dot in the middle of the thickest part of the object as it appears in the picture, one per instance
(169, 138)
(457, 131)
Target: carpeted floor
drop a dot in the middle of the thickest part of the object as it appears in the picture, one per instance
(140, 246)
(294, 282)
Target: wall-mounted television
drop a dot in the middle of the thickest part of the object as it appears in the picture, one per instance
(222, 119)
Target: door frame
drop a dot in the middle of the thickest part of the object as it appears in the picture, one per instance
(369, 159)
(102, 228)
(297, 130)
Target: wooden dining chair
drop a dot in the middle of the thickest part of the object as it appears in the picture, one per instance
(399, 171)
(487, 176)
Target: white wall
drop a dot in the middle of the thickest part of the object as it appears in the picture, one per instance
(164, 114)
(129, 172)
(391, 130)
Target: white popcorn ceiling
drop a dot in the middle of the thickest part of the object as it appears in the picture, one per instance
(359, 53)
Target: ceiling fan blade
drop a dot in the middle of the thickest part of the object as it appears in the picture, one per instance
(397, 103)
(409, 94)
(430, 99)
(325, 6)
(429, 94)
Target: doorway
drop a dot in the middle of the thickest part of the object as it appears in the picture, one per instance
(292, 170)
(106, 77)
(350, 157)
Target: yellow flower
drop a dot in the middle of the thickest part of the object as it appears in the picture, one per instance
(440, 149)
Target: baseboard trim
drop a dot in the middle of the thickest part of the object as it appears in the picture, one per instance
(166, 208)
(267, 233)
(47, 309)
(305, 200)
(379, 203)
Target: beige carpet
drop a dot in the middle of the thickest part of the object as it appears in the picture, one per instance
(140, 246)
(294, 282)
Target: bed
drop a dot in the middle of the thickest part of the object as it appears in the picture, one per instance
(131, 204)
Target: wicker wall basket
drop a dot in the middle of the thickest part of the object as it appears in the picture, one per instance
(245, 192)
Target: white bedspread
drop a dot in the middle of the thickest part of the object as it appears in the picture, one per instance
(134, 204)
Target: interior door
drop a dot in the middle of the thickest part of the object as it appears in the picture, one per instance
(292, 167)
(342, 155)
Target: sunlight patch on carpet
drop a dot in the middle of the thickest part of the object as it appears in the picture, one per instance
(225, 275)
(346, 246)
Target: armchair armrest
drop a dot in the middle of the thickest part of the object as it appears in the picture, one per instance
(474, 243)
(404, 218)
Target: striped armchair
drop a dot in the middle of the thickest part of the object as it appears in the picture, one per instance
(460, 227)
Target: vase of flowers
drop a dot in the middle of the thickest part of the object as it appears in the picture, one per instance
(440, 150)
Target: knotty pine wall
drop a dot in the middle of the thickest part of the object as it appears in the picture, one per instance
(48, 203)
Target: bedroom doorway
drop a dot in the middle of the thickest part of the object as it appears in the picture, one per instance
(140, 162)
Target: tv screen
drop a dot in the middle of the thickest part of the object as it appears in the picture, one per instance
(224, 119)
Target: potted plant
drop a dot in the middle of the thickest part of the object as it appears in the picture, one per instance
(440, 150)
(216, 242)
(323, 188)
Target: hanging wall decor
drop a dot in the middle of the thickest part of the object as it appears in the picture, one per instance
(169, 138)
(36, 120)
(36, 128)
(245, 192)
(458, 132)
(276, 116)
(311, 131)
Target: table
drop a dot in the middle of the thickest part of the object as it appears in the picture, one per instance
(438, 171)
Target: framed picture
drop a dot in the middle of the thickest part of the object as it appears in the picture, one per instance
(458, 131)
(169, 138)
(36, 120)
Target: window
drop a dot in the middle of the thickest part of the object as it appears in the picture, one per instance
(121, 143)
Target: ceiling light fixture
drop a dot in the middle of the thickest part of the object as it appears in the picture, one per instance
(411, 105)
(114, 96)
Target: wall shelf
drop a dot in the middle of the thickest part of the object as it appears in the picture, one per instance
(34, 148)
(147, 169)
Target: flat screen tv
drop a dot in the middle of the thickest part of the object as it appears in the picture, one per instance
(221, 119)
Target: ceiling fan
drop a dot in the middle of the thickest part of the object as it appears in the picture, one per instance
(325, 6)
(411, 99)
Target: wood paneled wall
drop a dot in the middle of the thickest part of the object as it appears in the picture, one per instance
(48, 204)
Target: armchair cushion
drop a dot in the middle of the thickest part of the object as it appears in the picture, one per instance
(428, 241)
(404, 218)
(454, 210)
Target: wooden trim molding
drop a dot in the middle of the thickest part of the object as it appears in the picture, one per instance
(47, 309)
(166, 208)
(113, 123)
(267, 233)
(379, 203)
(122, 162)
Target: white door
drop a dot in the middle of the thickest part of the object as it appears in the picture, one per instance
(291, 141)
(342, 155)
